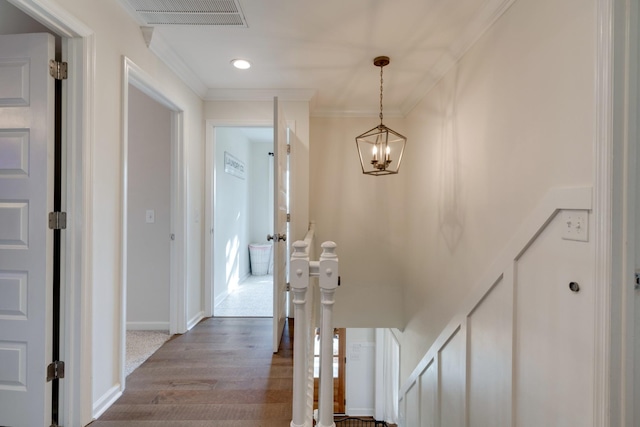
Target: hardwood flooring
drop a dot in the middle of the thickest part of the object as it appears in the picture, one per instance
(222, 373)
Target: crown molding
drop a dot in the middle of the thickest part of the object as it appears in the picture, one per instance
(490, 14)
(159, 46)
(304, 95)
(391, 113)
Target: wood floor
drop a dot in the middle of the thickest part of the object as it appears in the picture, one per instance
(222, 373)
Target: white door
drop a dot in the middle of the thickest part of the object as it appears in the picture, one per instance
(26, 247)
(279, 223)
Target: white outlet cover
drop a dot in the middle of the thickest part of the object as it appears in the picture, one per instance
(575, 225)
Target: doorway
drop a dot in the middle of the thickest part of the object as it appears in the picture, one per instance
(149, 226)
(338, 369)
(152, 212)
(242, 217)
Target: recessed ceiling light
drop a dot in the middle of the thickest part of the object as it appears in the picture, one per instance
(241, 64)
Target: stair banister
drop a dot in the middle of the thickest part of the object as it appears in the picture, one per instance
(299, 274)
(328, 271)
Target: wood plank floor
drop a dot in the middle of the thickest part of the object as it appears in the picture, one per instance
(222, 373)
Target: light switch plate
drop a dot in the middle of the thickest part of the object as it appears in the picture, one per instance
(575, 225)
(150, 216)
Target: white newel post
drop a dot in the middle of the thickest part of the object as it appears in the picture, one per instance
(328, 272)
(299, 268)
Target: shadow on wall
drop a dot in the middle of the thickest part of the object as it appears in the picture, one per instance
(450, 209)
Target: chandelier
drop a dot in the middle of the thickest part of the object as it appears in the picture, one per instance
(381, 148)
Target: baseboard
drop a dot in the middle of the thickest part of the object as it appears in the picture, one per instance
(195, 320)
(147, 326)
(107, 399)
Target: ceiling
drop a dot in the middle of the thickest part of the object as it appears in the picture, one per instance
(323, 51)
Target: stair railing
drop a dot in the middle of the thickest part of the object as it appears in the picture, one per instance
(301, 269)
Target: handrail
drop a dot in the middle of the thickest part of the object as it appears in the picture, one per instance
(301, 270)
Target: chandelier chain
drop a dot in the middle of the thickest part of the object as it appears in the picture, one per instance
(381, 81)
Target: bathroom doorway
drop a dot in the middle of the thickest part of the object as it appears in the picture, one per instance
(242, 193)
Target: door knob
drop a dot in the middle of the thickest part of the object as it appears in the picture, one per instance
(277, 237)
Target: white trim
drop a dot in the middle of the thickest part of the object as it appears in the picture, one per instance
(134, 75)
(77, 399)
(388, 113)
(304, 95)
(106, 400)
(148, 326)
(195, 320)
(631, 333)
(210, 200)
(603, 155)
(54, 17)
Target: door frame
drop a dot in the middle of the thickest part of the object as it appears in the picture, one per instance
(615, 212)
(78, 49)
(135, 76)
(209, 195)
(210, 198)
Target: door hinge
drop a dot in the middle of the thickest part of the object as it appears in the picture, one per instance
(288, 286)
(57, 220)
(55, 370)
(288, 217)
(288, 148)
(58, 70)
(637, 284)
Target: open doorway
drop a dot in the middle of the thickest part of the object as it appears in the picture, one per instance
(152, 213)
(242, 259)
(149, 227)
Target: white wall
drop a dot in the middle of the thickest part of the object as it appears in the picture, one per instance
(513, 119)
(149, 188)
(360, 380)
(364, 216)
(231, 218)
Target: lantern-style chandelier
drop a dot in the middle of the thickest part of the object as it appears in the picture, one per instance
(380, 148)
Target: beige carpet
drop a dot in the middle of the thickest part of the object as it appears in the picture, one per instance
(141, 345)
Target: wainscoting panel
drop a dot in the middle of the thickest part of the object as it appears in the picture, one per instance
(554, 340)
(520, 350)
(429, 396)
(489, 329)
(413, 394)
(452, 381)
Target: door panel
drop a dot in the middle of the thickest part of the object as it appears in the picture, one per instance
(26, 247)
(279, 223)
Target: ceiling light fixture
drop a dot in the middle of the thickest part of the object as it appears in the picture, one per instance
(241, 64)
(379, 146)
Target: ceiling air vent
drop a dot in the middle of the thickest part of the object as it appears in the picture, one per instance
(190, 12)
